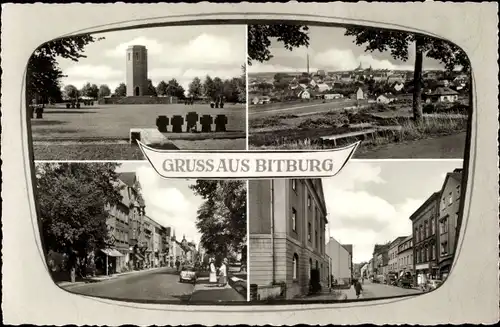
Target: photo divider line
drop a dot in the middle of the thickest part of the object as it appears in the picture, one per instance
(248, 240)
(246, 87)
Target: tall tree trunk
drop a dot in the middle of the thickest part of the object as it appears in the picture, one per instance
(417, 80)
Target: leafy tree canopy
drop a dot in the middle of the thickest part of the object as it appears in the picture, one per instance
(222, 217)
(72, 200)
(259, 39)
(43, 74)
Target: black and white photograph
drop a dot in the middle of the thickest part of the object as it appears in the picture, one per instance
(120, 231)
(373, 231)
(93, 96)
(318, 87)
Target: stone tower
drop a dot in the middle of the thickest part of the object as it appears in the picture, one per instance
(137, 70)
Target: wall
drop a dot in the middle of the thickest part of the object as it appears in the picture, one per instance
(138, 100)
(340, 260)
(449, 210)
(259, 206)
(137, 70)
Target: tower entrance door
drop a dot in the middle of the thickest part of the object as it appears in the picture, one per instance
(137, 91)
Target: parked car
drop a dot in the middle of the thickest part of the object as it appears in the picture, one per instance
(188, 274)
(432, 284)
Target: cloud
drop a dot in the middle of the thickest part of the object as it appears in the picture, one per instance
(154, 47)
(357, 173)
(93, 71)
(360, 218)
(79, 75)
(205, 49)
(168, 205)
(336, 59)
(331, 60)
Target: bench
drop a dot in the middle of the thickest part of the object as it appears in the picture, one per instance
(334, 138)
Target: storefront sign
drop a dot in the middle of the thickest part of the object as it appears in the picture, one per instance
(422, 266)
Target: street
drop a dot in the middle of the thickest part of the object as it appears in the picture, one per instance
(373, 290)
(161, 284)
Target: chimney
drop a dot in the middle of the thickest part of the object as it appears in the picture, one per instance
(307, 64)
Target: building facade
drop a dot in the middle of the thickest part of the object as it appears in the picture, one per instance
(405, 256)
(340, 261)
(380, 258)
(393, 254)
(449, 206)
(425, 240)
(137, 70)
(348, 247)
(287, 233)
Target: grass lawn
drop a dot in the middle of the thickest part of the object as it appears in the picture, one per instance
(304, 132)
(115, 121)
(87, 152)
(122, 150)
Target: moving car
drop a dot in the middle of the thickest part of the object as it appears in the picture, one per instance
(188, 274)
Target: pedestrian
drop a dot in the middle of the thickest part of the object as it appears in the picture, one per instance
(223, 273)
(358, 288)
(177, 264)
(213, 274)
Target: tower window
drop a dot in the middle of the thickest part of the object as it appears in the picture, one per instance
(129, 57)
(137, 56)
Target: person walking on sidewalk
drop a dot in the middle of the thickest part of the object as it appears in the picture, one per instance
(223, 273)
(213, 274)
(358, 288)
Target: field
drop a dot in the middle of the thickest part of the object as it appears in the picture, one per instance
(397, 135)
(297, 108)
(115, 121)
(101, 132)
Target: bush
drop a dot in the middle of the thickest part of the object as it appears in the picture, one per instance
(429, 109)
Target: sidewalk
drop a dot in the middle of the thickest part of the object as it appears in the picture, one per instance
(97, 279)
(203, 291)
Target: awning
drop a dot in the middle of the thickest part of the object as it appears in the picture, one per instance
(112, 253)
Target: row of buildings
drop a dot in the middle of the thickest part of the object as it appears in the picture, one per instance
(137, 241)
(428, 252)
(289, 251)
(328, 86)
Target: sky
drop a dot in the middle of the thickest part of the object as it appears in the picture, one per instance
(331, 50)
(180, 52)
(370, 202)
(168, 202)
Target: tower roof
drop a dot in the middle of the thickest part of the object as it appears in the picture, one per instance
(136, 46)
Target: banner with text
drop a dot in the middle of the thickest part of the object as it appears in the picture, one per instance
(248, 164)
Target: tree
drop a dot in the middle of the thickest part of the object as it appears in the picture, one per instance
(398, 44)
(222, 216)
(72, 199)
(242, 85)
(104, 91)
(43, 75)
(195, 88)
(71, 92)
(94, 91)
(174, 89)
(292, 36)
(280, 81)
(90, 90)
(151, 90)
(161, 88)
(121, 90)
(209, 88)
